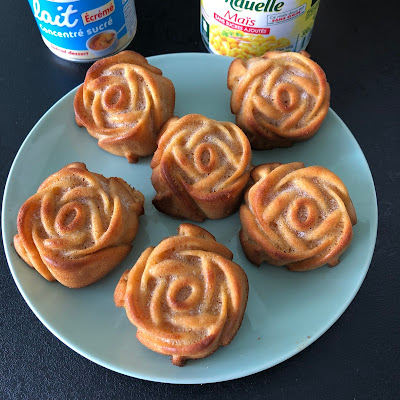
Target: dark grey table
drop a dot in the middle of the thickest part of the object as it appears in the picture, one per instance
(358, 358)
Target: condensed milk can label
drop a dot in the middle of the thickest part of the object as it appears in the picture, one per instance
(85, 30)
(244, 29)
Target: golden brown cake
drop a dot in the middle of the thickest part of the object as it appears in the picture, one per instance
(200, 168)
(123, 103)
(185, 296)
(78, 226)
(297, 216)
(279, 98)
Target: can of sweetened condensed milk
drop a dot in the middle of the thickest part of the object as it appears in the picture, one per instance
(244, 29)
(85, 30)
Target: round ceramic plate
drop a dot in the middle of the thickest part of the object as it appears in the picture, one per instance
(286, 311)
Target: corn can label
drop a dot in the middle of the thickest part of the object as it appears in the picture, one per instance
(244, 29)
(85, 30)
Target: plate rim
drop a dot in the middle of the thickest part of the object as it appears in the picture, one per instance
(227, 375)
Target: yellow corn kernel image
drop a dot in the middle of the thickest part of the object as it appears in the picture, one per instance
(238, 44)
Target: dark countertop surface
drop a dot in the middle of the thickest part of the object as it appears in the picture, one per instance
(359, 356)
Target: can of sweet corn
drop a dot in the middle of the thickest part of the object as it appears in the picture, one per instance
(244, 29)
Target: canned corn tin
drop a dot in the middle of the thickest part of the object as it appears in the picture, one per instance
(85, 30)
(245, 29)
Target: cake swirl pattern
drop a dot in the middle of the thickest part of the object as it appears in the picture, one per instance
(278, 98)
(78, 226)
(185, 296)
(200, 168)
(123, 103)
(296, 216)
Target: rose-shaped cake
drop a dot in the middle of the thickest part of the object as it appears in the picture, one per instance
(123, 103)
(296, 216)
(185, 296)
(78, 226)
(200, 168)
(278, 98)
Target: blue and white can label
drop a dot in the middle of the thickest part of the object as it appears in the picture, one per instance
(85, 30)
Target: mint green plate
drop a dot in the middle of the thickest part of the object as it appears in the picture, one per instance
(286, 311)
